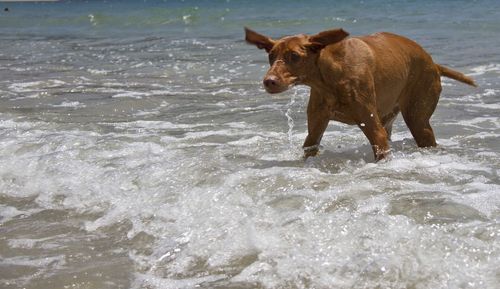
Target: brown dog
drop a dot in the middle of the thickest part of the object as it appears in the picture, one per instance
(363, 80)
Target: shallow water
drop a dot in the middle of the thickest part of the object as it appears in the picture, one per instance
(139, 150)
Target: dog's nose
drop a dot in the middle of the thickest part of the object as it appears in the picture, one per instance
(271, 81)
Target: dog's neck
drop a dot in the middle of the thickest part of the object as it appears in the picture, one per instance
(321, 80)
(314, 79)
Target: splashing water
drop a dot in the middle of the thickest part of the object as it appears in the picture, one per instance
(289, 117)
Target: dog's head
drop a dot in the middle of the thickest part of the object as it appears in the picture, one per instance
(292, 58)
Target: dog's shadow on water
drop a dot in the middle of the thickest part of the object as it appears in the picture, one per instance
(334, 160)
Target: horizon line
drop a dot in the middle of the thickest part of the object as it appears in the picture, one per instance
(11, 1)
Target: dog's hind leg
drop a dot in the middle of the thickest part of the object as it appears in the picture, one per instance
(418, 108)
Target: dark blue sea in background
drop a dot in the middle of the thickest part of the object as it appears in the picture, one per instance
(139, 150)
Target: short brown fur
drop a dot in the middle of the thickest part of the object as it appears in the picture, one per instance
(363, 80)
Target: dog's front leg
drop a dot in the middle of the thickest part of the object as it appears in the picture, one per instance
(317, 121)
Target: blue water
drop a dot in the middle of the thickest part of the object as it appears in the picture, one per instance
(138, 149)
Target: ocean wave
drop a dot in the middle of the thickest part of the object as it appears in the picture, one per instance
(34, 86)
(483, 69)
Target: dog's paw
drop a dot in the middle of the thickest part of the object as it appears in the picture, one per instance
(311, 151)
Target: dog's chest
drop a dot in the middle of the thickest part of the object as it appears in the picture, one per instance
(341, 117)
(338, 111)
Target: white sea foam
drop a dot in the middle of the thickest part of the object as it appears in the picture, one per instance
(487, 106)
(35, 85)
(158, 125)
(46, 263)
(131, 94)
(488, 68)
(74, 104)
(7, 213)
(248, 210)
(491, 92)
(480, 122)
(98, 71)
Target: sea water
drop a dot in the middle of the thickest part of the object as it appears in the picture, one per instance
(138, 149)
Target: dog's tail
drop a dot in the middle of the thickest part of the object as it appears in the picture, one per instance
(445, 71)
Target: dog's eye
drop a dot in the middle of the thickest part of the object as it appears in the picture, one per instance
(272, 58)
(294, 57)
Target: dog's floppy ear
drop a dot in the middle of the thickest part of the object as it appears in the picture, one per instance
(261, 41)
(325, 38)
